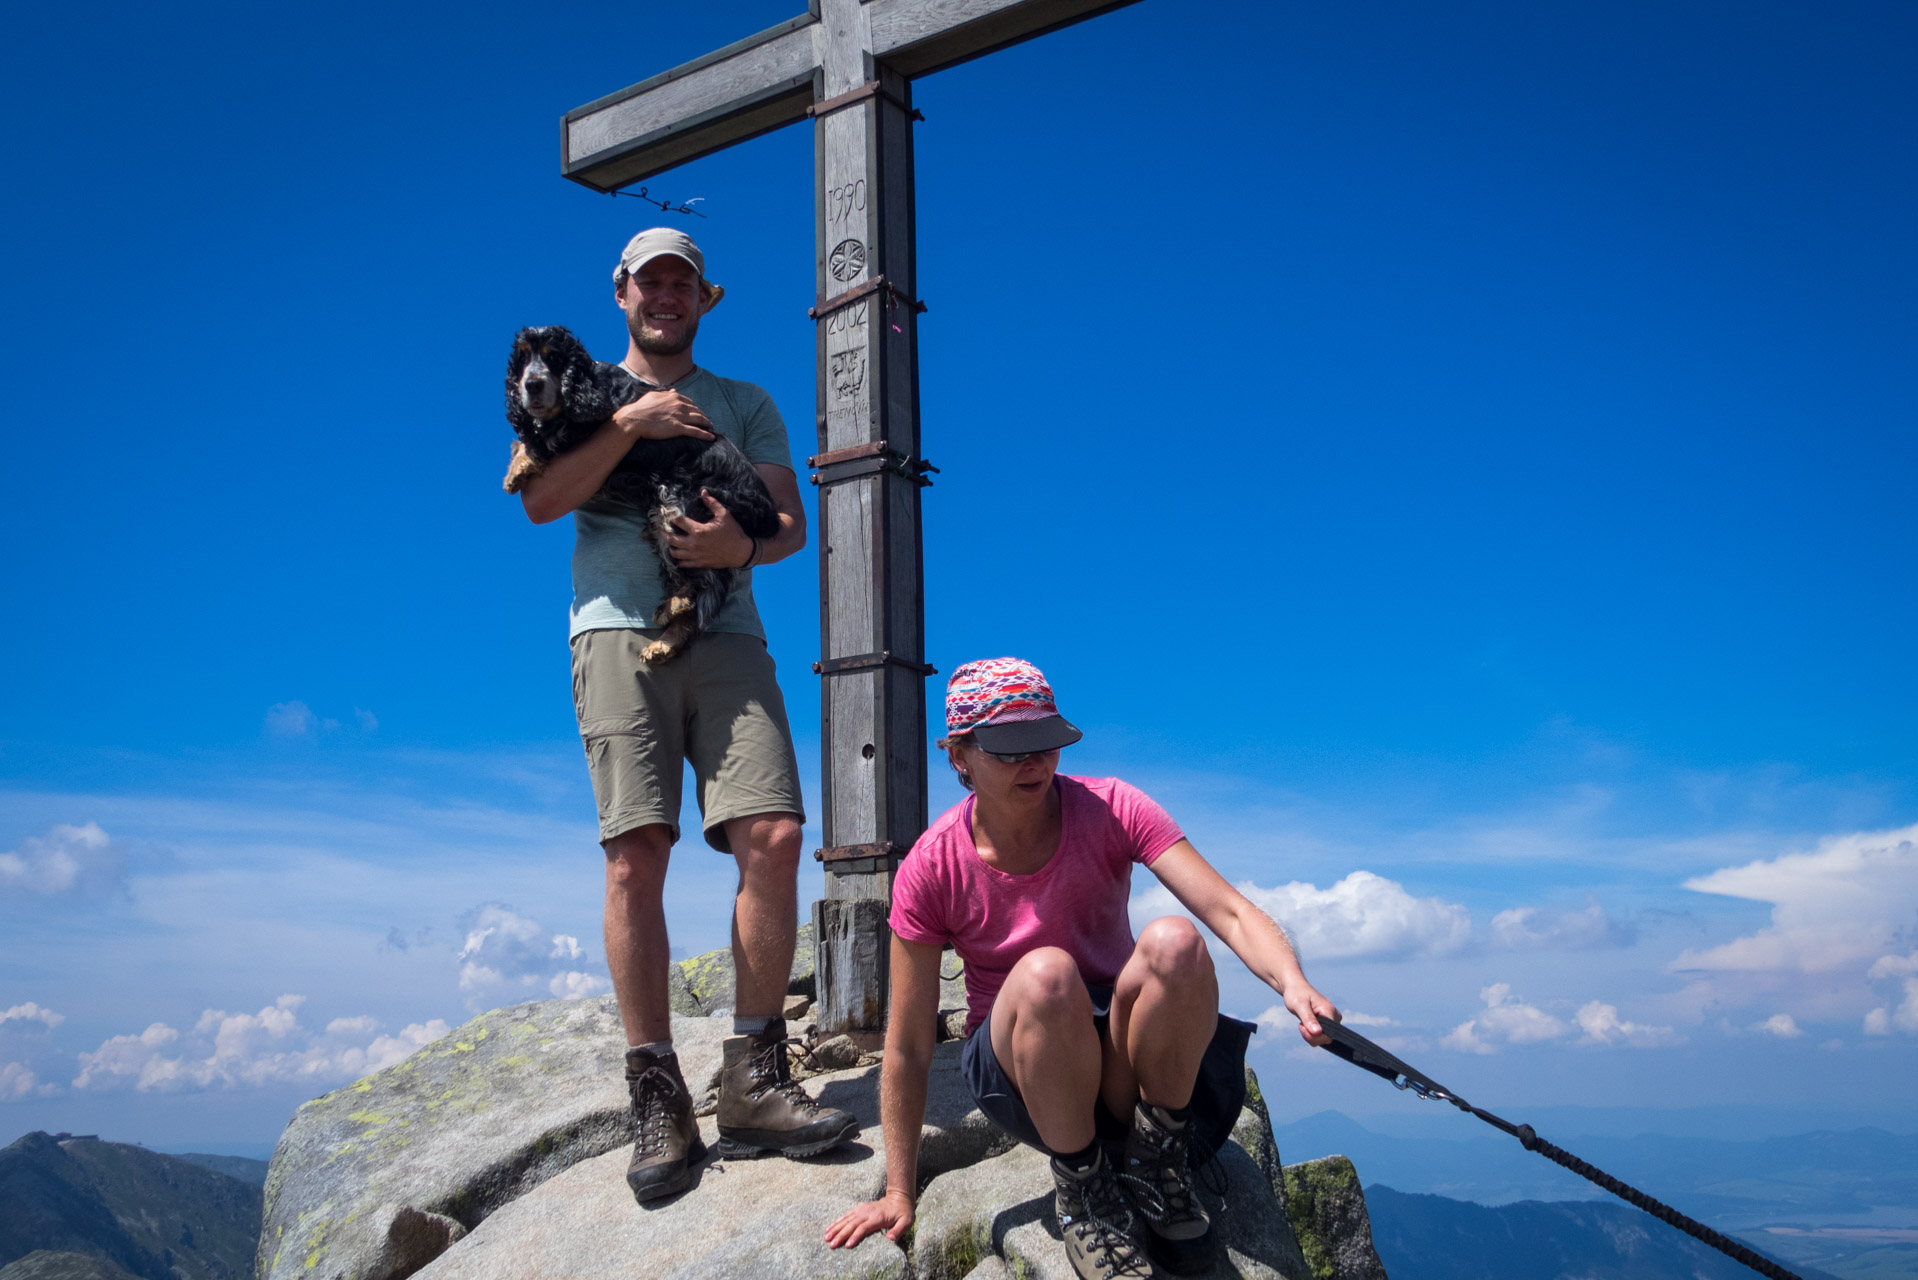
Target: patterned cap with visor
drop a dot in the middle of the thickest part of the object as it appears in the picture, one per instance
(1007, 707)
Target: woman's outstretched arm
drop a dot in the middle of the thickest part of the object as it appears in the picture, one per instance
(910, 1023)
(1252, 934)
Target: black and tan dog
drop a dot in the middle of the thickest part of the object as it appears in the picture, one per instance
(557, 395)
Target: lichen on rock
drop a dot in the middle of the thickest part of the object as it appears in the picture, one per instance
(703, 986)
(500, 1151)
(469, 1123)
(1326, 1206)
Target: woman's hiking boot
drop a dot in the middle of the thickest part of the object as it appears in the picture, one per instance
(1178, 1230)
(762, 1109)
(1096, 1223)
(666, 1141)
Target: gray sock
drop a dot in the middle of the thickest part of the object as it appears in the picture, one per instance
(751, 1026)
(658, 1048)
(1078, 1164)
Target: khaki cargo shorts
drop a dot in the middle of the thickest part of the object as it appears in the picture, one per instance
(717, 704)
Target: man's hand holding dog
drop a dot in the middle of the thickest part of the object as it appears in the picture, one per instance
(718, 544)
(661, 415)
(576, 475)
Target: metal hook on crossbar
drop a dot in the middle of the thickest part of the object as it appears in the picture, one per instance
(667, 206)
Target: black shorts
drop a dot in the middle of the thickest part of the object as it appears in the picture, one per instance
(1218, 1095)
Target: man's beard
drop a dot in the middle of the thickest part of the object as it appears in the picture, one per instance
(653, 343)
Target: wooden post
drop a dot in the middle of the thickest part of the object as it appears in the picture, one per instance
(847, 65)
(872, 704)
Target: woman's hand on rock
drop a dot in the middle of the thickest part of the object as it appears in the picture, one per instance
(891, 1213)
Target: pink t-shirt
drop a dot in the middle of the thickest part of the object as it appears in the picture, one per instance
(945, 892)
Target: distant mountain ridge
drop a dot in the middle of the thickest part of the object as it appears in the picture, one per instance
(150, 1215)
(1423, 1237)
(1715, 1180)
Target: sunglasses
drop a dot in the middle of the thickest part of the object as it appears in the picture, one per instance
(1017, 757)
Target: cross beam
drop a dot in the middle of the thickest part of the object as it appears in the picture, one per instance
(767, 81)
(849, 66)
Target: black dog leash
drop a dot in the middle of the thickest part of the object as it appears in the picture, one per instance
(1360, 1052)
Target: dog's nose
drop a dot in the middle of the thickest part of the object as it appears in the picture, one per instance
(536, 384)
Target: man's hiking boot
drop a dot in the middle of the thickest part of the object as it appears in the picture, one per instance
(666, 1141)
(1096, 1223)
(1178, 1231)
(762, 1109)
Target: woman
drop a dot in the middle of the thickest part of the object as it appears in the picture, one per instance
(1074, 1031)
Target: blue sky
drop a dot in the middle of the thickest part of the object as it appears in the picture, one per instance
(1459, 461)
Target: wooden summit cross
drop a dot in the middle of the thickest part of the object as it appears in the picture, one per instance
(848, 65)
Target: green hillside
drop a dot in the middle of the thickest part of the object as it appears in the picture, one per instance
(245, 1168)
(151, 1215)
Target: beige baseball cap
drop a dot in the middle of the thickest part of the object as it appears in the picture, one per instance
(655, 242)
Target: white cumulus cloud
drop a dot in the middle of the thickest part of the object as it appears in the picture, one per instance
(1903, 1017)
(1840, 907)
(574, 985)
(290, 720)
(1782, 1025)
(234, 1050)
(1503, 1021)
(68, 861)
(1362, 916)
(17, 1082)
(359, 1026)
(1602, 1025)
(1904, 1013)
(31, 1012)
(1507, 1021)
(507, 956)
(1531, 928)
(386, 1051)
(1893, 967)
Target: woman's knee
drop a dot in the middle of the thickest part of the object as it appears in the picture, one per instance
(1048, 979)
(1173, 949)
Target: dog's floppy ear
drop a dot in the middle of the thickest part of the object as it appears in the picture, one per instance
(516, 414)
(582, 391)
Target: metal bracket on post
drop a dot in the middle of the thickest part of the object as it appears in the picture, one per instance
(870, 662)
(861, 460)
(894, 296)
(871, 89)
(858, 859)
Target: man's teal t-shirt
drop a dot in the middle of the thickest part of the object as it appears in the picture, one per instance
(615, 571)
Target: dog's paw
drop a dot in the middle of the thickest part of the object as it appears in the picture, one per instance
(679, 606)
(520, 469)
(658, 651)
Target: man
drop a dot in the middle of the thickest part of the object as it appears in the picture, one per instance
(717, 705)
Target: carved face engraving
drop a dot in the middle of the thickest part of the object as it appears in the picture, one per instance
(847, 373)
(847, 260)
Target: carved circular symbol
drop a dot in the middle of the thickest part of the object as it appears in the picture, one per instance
(848, 259)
